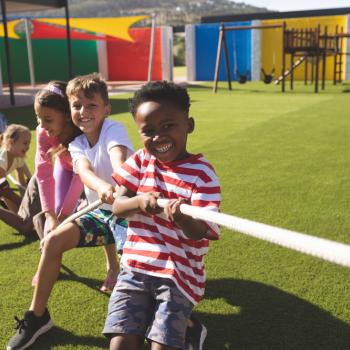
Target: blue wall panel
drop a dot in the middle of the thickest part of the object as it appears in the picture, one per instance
(207, 37)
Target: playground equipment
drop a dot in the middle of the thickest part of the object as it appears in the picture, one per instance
(267, 78)
(223, 43)
(312, 46)
(242, 78)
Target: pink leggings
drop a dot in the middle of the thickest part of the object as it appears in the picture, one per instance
(63, 180)
(68, 188)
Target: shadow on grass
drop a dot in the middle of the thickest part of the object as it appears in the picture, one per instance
(269, 318)
(60, 337)
(67, 274)
(30, 238)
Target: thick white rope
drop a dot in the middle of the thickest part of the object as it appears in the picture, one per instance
(325, 249)
(81, 212)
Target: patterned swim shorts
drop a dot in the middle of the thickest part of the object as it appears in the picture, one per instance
(97, 228)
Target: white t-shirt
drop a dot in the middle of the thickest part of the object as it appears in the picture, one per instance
(112, 134)
(18, 162)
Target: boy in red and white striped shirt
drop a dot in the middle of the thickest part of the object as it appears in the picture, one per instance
(163, 273)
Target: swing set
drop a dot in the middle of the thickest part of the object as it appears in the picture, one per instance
(268, 78)
(223, 44)
(242, 78)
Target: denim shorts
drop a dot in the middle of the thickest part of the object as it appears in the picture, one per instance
(98, 227)
(149, 306)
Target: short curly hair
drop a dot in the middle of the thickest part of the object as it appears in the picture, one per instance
(160, 91)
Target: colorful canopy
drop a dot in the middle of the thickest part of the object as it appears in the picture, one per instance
(10, 29)
(81, 28)
(113, 26)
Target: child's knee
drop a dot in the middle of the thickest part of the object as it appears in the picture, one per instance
(54, 243)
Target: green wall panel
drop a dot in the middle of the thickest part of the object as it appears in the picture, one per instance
(50, 59)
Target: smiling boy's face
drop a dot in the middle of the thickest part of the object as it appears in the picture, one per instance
(164, 129)
(88, 114)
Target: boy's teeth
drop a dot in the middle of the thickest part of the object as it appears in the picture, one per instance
(163, 148)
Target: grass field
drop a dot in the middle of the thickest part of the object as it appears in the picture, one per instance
(282, 159)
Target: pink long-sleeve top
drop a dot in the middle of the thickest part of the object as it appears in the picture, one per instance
(44, 174)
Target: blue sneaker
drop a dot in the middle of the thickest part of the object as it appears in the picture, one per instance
(29, 329)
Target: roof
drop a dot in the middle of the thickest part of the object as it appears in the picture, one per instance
(276, 15)
(13, 6)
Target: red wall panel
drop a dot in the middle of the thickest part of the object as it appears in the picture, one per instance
(129, 60)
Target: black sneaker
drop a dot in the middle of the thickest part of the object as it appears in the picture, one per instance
(195, 335)
(29, 329)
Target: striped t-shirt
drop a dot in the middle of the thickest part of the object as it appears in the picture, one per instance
(155, 245)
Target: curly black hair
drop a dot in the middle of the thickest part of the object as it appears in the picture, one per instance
(160, 91)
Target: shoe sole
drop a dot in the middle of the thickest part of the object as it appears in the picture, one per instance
(36, 335)
(202, 338)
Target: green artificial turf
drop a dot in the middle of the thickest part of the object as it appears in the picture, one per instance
(282, 159)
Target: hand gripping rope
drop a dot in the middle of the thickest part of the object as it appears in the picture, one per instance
(325, 249)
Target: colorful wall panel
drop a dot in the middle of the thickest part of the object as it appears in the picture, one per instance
(50, 59)
(129, 60)
(272, 42)
(206, 37)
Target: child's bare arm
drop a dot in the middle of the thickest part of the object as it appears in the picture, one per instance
(128, 203)
(193, 228)
(118, 156)
(22, 175)
(27, 172)
(95, 183)
(2, 173)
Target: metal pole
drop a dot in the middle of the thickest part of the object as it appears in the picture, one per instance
(7, 52)
(1, 82)
(324, 57)
(69, 43)
(218, 58)
(284, 43)
(228, 72)
(30, 53)
(151, 49)
(254, 27)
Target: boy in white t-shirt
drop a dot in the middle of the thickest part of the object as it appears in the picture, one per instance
(96, 154)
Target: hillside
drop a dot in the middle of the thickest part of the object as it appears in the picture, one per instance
(169, 12)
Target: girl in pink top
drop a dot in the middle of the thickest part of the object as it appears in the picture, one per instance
(59, 187)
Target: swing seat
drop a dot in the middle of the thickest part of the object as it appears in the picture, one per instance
(268, 77)
(242, 79)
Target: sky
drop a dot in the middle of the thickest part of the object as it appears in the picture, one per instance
(295, 5)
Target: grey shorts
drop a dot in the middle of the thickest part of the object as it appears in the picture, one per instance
(148, 306)
(30, 204)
